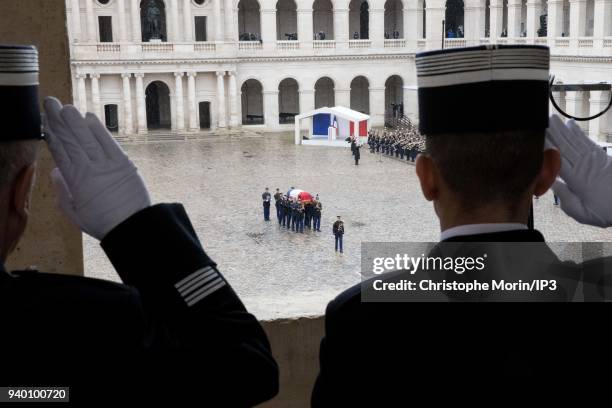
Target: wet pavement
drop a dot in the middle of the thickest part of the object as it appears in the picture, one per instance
(279, 273)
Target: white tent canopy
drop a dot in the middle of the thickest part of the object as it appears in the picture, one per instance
(331, 126)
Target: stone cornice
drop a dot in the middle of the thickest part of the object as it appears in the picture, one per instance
(408, 56)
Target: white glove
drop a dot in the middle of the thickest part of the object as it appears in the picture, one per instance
(97, 185)
(586, 170)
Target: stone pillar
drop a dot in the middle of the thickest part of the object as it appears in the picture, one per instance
(307, 104)
(377, 105)
(268, 28)
(75, 12)
(127, 105)
(533, 18)
(217, 22)
(233, 97)
(191, 100)
(271, 108)
(434, 15)
(574, 105)
(496, 22)
(342, 97)
(602, 23)
(413, 23)
(221, 99)
(122, 25)
(377, 27)
(341, 25)
(95, 96)
(514, 18)
(141, 104)
(555, 18)
(82, 93)
(304, 26)
(577, 21)
(136, 29)
(411, 105)
(175, 32)
(474, 21)
(91, 22)
(228, 18)
(187, 21)
(179, 101)
(598, 129)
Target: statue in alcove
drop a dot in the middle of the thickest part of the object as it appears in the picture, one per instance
(153, 20)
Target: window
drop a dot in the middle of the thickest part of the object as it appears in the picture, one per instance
(106, 28)
(200, 28)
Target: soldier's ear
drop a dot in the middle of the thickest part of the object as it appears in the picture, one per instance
(22, 189)
(427, 174)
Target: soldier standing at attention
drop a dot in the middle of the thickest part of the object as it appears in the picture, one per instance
(357, 154)
(317, 215)
(277, 203)
(266, 197)
(338, 233)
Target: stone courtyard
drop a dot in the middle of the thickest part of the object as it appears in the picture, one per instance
(278, 273)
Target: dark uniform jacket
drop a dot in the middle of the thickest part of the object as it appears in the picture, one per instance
(338, 228)
(388, 354)
(175, 330)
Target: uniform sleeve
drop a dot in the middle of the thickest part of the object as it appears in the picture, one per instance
(199, 324)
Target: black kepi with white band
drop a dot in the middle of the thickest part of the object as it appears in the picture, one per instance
(483, 89)
(19, 107)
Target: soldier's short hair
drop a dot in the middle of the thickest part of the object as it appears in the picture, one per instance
(482, 168)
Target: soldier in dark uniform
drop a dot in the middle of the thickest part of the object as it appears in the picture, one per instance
(288, 212)
(173, 329)
(277, 203)
(338, 231)
(266, 198)
(481, 195)
(357, 154)
(318, 207)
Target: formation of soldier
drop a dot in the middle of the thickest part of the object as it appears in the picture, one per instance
(295, 214)
(402, 141)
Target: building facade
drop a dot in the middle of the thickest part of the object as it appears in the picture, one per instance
(183, 66)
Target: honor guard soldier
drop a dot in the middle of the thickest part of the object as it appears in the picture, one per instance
(484, 160)
(277, 204)
(173, 329)
(338, 231)
(266, 198)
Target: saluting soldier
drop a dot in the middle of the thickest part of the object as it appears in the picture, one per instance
(140, 339)
(277, 203)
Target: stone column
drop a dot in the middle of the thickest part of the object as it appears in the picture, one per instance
(574, 105)
(191, 100)
(179, 101)
(304, 27)
(187, 21)
(127, 105)
(307, 104)
(91, 22)
(413, 23)
(377, 27)
(377, 105)
(136, 29)
(598, 101)
(228, 18)
(95, 96)
(233, 97)
(496, 22)
(602, 23)
(474, 22)
(175, 32)
(341, 25)
(122, 26)
(82, 93)
(217, 22)
(514, 18)
(411, 105)
(555, 18)
(434, 15)
(577, 21)
(141, 104)
(221, 99)
(533, 18)
(75, 12)
(268, 28)
(271, 108)
(342, 97)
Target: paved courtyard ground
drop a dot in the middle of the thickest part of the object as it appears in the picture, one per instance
(276, 272)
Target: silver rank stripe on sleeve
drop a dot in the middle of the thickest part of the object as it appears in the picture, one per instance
(199, 285)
